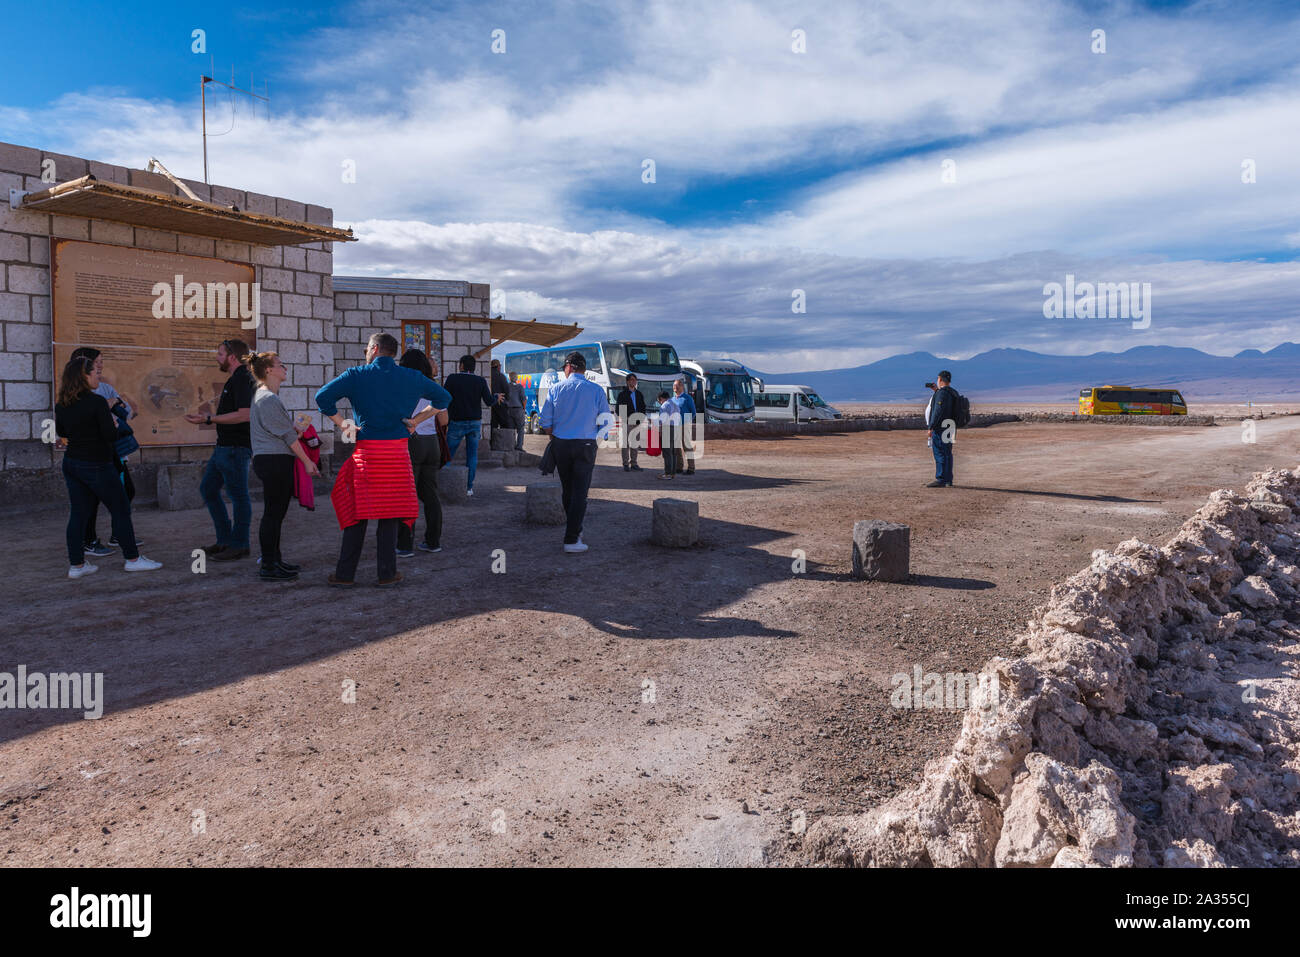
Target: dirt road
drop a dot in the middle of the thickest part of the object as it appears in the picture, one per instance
(630, 705)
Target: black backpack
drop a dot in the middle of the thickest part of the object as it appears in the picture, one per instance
(961, 410)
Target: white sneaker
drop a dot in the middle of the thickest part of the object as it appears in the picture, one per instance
(142, 564)
(80, 571)
(469, 492)
(577, 547)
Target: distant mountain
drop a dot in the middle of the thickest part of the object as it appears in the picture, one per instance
(1018, 375)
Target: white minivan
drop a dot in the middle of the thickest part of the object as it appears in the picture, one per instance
(779, 403)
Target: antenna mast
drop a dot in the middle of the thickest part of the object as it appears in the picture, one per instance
(204, 80)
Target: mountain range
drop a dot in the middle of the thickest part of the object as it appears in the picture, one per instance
(1018, 375)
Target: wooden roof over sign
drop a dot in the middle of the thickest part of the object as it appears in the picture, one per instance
(93, 198)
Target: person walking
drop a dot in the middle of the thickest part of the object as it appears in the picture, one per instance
(122, 412)
(942, 425)
(376, 481)
(82, 419)
(467, 390)
(571, 416)
(276, 446)
(629, 402)
(516, 401)
(229, 463)
(686, 410)
(426, 459)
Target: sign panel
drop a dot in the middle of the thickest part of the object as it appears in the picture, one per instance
(159, 344)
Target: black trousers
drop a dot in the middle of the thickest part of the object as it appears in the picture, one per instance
(90, 483)
(426, 457)
(354, 536)
(276, 473)
(575, 460)
(91, 535)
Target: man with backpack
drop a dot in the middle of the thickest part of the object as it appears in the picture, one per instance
(949, 411)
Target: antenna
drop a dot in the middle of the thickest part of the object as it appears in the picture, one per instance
(204, 80)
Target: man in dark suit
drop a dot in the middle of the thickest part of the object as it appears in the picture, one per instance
(943, 427)
(628, 403)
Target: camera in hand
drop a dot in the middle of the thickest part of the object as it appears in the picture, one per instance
(931, 385)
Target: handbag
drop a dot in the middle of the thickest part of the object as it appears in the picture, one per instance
(126, 442)
(444, 450)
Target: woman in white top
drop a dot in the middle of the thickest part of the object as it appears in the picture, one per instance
(426, 459)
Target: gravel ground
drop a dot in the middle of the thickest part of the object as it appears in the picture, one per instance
(507, 718)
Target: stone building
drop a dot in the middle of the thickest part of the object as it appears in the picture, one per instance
(317, 322)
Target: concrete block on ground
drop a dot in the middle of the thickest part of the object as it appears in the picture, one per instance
(503, 440)
(544, 504)
(178, 486)
(528, 459)
(452, 480)
(675, 522)
(510, 458)
(881, 551)
(490, 460)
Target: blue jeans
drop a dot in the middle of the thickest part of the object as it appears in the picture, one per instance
(469, 430)
(942, 460)
(90, 483)
(229, 467)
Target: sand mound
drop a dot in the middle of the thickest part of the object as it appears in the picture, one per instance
(1152, 722)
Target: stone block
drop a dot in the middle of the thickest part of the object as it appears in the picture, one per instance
(178, 486)
(675, 522)
(503, 440)
(544, 504)
(453, 481)
(881, 551)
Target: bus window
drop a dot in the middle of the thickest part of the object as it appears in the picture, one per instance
(615, 354)
(805, 401)
(592, 355)
(652, 358)
(1085, 394)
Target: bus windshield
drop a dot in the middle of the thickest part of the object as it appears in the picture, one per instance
(730, 393)
(652, 358)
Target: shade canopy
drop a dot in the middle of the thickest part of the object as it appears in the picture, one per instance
(93, 198)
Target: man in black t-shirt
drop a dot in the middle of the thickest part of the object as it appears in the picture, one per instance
(230, 459)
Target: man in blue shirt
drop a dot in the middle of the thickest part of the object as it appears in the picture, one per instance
(466, 416)
(382, 394)
(572, 417)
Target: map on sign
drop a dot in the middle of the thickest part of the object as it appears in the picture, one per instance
(104, 296)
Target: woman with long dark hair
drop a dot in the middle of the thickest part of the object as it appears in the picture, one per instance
(426, 459)
(121, 412)
(90, 470)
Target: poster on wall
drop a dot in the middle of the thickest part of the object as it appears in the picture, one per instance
(158, 318)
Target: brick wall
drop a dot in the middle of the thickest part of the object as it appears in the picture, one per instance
(358, 315)
(297, 297)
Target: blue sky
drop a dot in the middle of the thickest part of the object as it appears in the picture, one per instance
(775, 170)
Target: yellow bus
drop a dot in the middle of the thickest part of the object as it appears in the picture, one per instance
(1131, 400)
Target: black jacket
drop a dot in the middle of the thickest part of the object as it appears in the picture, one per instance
(467, 391)
(943, 407)
(630, 399)
(88, 427)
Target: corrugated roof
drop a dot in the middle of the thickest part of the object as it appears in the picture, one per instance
(401, 287)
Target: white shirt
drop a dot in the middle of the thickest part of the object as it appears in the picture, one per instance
(430, 425)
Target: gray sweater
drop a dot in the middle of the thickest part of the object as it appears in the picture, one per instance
(271, 425)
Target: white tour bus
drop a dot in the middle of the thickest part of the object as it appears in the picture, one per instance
(655, 364)
(788, 403)
(723, 389)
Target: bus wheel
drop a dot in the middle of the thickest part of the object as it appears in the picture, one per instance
(530, 424)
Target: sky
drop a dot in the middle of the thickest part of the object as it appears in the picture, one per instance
(911, 174)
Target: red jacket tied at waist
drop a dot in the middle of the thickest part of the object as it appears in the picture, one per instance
(376, 482)
(302, 487)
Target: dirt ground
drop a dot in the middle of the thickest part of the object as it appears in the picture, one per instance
(631, 705)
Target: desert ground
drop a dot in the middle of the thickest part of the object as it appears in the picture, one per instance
(632, 705)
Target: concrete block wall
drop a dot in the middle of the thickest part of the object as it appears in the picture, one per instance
(359, 315)
(297, 297)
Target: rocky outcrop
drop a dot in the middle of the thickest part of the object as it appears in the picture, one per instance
(1153, 720)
